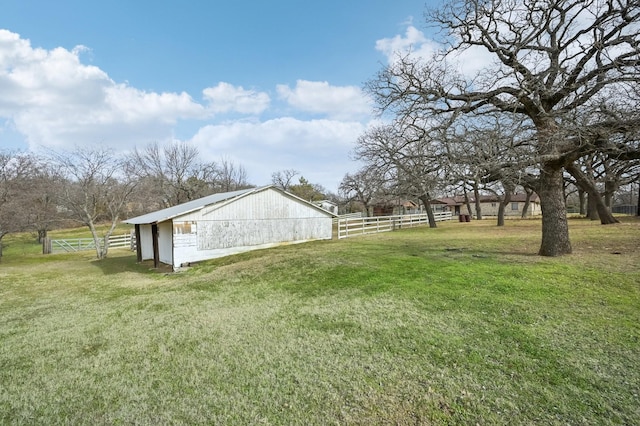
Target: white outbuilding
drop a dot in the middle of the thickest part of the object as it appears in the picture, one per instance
(228, 223)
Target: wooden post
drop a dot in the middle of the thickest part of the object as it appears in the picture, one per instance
(138, 244)
(156, 251)
(46, 245)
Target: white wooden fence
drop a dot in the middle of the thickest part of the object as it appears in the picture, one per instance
(351, 227)
(83, 244)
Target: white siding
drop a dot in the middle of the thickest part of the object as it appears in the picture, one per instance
(146, 242)
(185, 255)
(260, 220)
(233, 233)
(165, 242)
(267, 204)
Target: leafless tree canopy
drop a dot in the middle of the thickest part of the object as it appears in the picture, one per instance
(569, 67)
(95, 186)
(95, 189)
(28, 186)
(284, 178)
(365, 186)
(173, 174)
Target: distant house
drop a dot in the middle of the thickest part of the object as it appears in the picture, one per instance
(227, 223)
(449, 204)
(395, 207)
(489, 205)
(327, 205)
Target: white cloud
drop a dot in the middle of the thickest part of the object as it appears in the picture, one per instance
(318, 97)
(55, 100)
(227, 98)
(132, 105)
(319, 149)
(414, 43)
(51, 99)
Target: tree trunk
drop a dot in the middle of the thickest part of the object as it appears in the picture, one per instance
(595, 199)
(476, 194)
(466, 201)
(500, 214)
(503, 204)
(606, 217)
(527, 203)
(2, 234)
(610, 188)
(426, 200)
(105, 246)
(96, 238)
(101, 244)
(582, 201)
(367, 209)
(555, 228)
(592, 210)
(638, 210)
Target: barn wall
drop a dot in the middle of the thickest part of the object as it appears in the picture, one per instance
(221, 234)
(267, 204)
(186, 255)
(146, 243)
(165, 242)
(264, 219)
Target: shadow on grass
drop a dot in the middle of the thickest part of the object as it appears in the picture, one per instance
(128, 263)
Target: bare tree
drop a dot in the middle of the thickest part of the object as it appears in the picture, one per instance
(283, 179)
(173, 174)
(411, 155)
(96, 189)
(527, 202)
(597, 207)
(553, 60)
(230, 176)
(41, 210)
(27, 189)
(364, 186)
(490, 154)
(15, 170)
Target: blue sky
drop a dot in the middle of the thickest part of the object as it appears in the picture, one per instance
(270, 85)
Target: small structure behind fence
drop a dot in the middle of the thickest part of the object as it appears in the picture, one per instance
(351, 227)
(70, 245)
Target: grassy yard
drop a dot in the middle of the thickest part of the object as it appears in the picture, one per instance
(463, 324)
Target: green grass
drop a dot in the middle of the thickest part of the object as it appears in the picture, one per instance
(463, 324)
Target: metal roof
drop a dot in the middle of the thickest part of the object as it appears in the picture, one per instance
(190, 206)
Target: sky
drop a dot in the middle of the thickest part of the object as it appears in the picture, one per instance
(269, 85)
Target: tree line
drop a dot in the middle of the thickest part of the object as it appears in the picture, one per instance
(558, 107)
(556, 110)
(95, 186)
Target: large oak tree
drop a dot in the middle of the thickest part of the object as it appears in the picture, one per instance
(553, 61)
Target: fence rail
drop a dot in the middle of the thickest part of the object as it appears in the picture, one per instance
(124, 240)
(351, 227)
(69, 245)
(337, 219)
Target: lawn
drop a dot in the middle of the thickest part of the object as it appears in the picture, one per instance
(462, 324)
